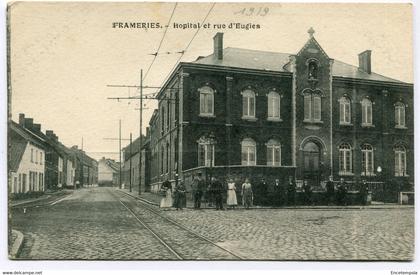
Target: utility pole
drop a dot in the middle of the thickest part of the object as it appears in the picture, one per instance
(141, 125)
(131, 154)
(120, 153)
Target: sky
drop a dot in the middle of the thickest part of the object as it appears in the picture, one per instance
(63, 55)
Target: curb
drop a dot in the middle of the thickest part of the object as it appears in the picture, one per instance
(16, 246)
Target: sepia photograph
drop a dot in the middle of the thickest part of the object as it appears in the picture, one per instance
(210, 131)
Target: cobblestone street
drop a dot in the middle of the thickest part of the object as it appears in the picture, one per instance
(93, 224)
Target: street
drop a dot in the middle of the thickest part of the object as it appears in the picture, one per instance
(102, 223)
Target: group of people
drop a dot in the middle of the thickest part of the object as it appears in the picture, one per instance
(263, 194)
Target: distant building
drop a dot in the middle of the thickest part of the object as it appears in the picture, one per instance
(26, 160)
(108, 172)
(248, 113)
(86, 168)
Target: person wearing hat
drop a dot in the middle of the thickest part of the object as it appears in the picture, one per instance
(231, 194)
(198, 186)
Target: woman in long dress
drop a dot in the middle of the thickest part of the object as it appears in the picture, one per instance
(231, 194)
(247, 193)
(166, 201)
(180, 196)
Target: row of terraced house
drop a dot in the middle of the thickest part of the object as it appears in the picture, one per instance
(39, 161)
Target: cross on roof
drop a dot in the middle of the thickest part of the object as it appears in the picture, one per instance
(311, 32)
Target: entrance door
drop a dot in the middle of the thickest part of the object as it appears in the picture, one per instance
(311, 157)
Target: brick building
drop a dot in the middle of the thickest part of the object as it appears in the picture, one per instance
(256, 114)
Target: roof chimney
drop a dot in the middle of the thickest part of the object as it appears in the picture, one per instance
(29, 123)
(218, 45)
(49, 133)
(22, 119)
(365, 62)
(37, 127)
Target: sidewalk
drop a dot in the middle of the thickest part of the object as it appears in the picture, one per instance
(16, 245)
(45, 196)
(154, 199)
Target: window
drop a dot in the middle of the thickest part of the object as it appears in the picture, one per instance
(367, 160)
(345, 159)
(162, 160)
(205, 152)
(273, 153)
(163, 120)
(40, 157)
(20, 184)
(167, 157)
(273, 106)
(32, 155)
(345, 111)
(36, 156)
(249, 152)
(206, 101)
(399, 115)
(248, 104)
(366, 112)
(312, 107)
(400, 161)
(312, 69)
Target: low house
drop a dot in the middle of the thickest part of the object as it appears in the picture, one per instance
(108, 172)
(26, 160)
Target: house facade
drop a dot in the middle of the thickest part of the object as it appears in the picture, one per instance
(108, 172)
(26, 161)
(247, 113)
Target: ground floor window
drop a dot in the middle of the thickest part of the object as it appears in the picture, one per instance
(345, 159)
(400, 161)
(367, 160)
(249, 152)
(273, 153)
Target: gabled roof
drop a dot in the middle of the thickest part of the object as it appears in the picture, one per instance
(274, 61)
(17, 149)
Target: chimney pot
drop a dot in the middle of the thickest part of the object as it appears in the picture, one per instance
(29, 123)
(22, 119)
(365, 61)
(37, 127)
(218, 45)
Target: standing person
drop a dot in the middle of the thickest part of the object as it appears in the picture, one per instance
(307, 193)
(277, 193)
(291, 192)
(247, 193)
(217, 188)
(166, 189)
(197, 189)
(341, 192)
(363, 191)
(330, 190)
(180, 196)
(210, 193)
(260, 193)
(231, 194)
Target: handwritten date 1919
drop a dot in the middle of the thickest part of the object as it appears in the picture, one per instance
(258, 11)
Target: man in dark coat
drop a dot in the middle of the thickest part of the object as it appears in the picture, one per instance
(307, 193)
(218, 190)
(278, 196)
(330, 191)
(197, 189)
(291, 192)
(261, 193)
(342, 192)
(363, 192)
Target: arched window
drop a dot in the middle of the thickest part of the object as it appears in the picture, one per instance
(205, 152)
(345, 111)
(249, 152)
(248, 104)
(345, 159)
(206, 101)
(167, 156)
(367, 160)
(399, 115)
(273, 153)
(366, 112)
(312, 107)
(162, 159)
(273, 106)
(400, 161)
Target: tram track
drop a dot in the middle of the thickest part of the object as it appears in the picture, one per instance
(180, 241)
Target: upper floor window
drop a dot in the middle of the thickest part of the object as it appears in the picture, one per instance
(273, 106)
(345, 111)
(312, 107)
(248, 104)
(163, 120)
(400, 161)
(32, 155)
(273, 153)
(205, 152)
(345, 159)
(40, 158)
(367, 160)
(399, 115)
(206, 101)
(366, 112)
(249, 152)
